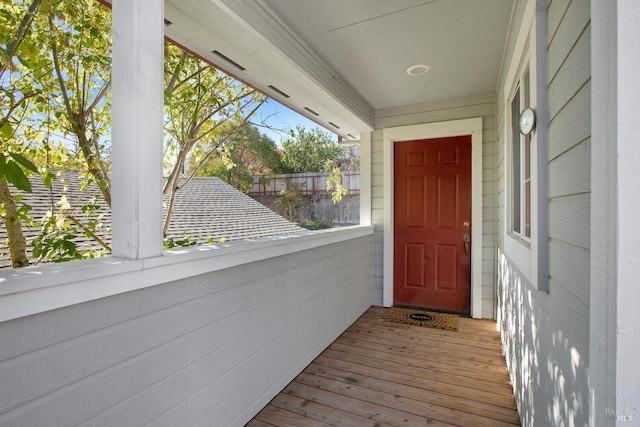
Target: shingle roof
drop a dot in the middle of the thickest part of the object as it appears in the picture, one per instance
(209, 207)
(204, 208)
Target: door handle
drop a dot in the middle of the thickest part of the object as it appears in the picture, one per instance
(466, 238)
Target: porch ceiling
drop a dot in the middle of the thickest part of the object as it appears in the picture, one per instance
(347, 59)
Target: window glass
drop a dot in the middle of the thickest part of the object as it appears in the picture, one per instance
(516, 184)
(520, 162)
(526, 141)
(527, 186)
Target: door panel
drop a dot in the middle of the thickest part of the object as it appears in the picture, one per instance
(415, 202)
(432, 203)
(414, 266)
(446, 204)
(446, 267)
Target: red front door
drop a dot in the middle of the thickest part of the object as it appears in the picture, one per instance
(432, 223)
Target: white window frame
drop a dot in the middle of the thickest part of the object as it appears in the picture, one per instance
(529, 254)
(520, 205)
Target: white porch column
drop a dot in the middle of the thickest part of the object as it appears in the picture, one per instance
(138, 96)
(614, 343)
(602, 307)
(628, 200)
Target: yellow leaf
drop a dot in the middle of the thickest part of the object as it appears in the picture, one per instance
(63, 203)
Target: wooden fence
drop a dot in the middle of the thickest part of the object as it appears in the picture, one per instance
(311, 183)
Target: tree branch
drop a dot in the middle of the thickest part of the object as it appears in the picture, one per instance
(89, 231)
(244, 123)
(56, 67)
(17, 242)
(12, 48)
(99, 96)
(15, 106)
(220, 108)
(176, 73)
(186, 79)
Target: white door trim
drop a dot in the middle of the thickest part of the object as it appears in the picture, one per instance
(471, 127)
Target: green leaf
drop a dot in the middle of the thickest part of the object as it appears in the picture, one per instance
(14, 174)
(6, 130)
(24, 61)
(48, 179)
(24, 162)
(25, 209)
(68, 246)
(3, 165)
(7, 15)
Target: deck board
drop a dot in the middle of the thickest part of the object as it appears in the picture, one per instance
(386, 374)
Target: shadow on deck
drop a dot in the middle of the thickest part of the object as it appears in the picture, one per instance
(385, 374)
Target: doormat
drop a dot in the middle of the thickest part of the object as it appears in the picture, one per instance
(430, 319)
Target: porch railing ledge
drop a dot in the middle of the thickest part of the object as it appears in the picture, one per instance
(33, 290)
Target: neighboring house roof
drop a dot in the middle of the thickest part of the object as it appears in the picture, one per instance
(204, 208)
(209, 207)
(43, 200)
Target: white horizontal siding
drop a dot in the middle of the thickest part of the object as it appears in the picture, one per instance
(475, 106)
(568, 172)
(207, 350)
(572, 124)
(574, 73)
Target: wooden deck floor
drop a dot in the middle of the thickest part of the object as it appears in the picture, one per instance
(385, 374)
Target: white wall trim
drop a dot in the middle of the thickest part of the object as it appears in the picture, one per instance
(365, 178)
(405, 110)
(33, 290)
(471, 127)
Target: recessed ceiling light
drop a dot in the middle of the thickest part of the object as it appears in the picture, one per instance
(417, 70)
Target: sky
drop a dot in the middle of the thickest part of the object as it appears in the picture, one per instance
(277, 116)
